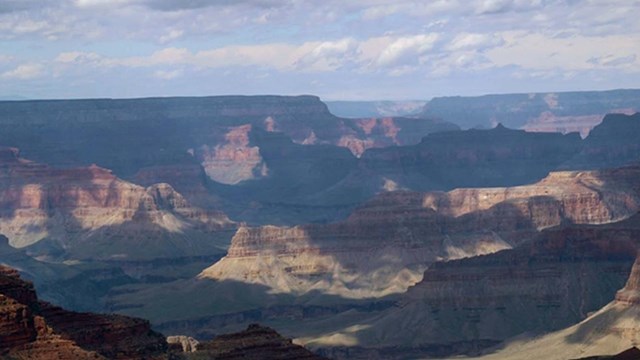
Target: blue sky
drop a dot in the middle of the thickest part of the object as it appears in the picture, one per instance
(339, 50)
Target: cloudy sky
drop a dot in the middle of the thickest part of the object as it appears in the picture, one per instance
(337, 49)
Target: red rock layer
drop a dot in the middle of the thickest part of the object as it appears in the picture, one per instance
(31, 329)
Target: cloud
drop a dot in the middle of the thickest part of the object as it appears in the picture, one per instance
(465, 41)
(24, 72)
(175, 5)
(327, 55)
(576, 53)
(613, 60)
(406, 50)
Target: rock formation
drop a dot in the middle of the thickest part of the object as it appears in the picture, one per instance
(610, 144)
(166, 131)
(31, 329)
(91, 213)
(466, 305)
(473, 158)
(614, 329)
(256, 342)
(185, 344)
(403, 232)
(549, 112)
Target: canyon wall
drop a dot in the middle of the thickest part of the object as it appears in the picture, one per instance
(548, 112)
(92, 214)
(31, 329)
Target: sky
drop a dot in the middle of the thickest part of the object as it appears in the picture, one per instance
(336, 49)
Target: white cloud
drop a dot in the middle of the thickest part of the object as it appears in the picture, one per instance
(406, 50)
(466, 41)
(24, 72)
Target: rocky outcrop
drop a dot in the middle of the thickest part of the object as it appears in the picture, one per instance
(556, 112)
(473, 158)
(186, 344)
(630, 294)
(548, 283)
(613, 329)
(612, 143)
(31, 329)
(90, 213)
(403, 232)
(256, 342)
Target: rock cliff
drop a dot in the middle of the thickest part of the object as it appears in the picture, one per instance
(551, 282)
(166, 131)
(549, 112)
(612, 143)
(31, 329)
(473, 158)
(90, 213)
(403, 232)
(255, 342)
(613, 329)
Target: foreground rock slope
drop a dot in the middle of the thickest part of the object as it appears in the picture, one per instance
(610, 330)
(464, 306)
(32, 329)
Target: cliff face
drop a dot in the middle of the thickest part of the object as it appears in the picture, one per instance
(613, 329)
(462, 306)
(403, 232)
(71, 207)
(255, 342)
(549, 112)
(36, 330)
(612, 143)
(473, 158)
(166, 131)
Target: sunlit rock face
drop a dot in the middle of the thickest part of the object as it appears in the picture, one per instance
(72, 207)
(384, 246)
(233, 160)
(463, 306)
(546, 112)
(32, 329)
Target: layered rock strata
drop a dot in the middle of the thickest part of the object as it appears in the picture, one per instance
(255, 342)
(551, 282)
(31, 329)
(90, 213)
(385, 245)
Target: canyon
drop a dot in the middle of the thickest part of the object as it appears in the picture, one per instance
(391, 237)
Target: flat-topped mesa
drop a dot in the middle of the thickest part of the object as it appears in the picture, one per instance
(31, 329)
(630, 294)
